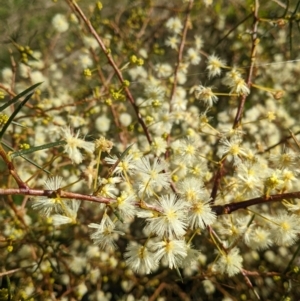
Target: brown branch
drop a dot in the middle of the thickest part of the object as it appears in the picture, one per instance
(229, 208)
(11, 168)
(180, 51)
(112, 106)
(249, 284)
(165, 286)
(15, 270)
(255, 42)
(218, 209)
(7, 90)
(70, 195)
(54, 193)
(217, 181)
(241, 106)
(281, 141)
(111, 61)
(260, 274)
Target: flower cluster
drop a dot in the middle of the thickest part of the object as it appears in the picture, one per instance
(149, 150)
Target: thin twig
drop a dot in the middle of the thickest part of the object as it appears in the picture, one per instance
(241, 106)
(111, 61)
(255, 42)
(180, 51)
(11, 169)
(229, 208)
(250, 285)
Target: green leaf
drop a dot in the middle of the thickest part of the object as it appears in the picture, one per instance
(28, 160)
(110, 171)
(120, 159)
(117, 214)
(125, 152)
(37, 148)
(37, 165)
(18, 124)
(13, 115)
(16, 98)
(179, 274)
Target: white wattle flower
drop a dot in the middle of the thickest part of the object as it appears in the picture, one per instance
(188, 150)
(49, 205)
(198, 42)
(171, 253)
(105, 233)
(193, 56)
(159, 146)
(214, 65)
(60, 23)
(151, 176)
(125, 119)
(53, 183)
(206, 95)
(73, 143)
(285, 229)
(230, 263)
(102, 124)
(140, 259)
(240, 87)
(7, 74)
(179, 104)
(163, 70)
(181, 77)
(172, 42)
(69, 215)
(154, 92)
(231, 76)
(65, 211)
(124, 166)
(234, 80)
(201, 215)
(90, 42)
(288, 159)
(259, 239)
(171, 221)
(191, 257)
(80, 290)
(190, 189)
(85, 61)
(126, 205)
(138, 72)
(37, 77)
(233, 148)
(174, 25)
